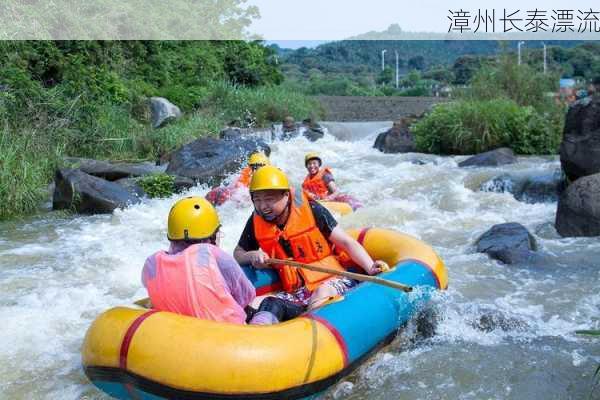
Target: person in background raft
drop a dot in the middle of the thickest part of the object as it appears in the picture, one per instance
(286, 224)
(196, 278)
(255, 161)
(319, 184)
(219, 195)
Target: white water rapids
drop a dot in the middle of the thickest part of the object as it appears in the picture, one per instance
(58, 272)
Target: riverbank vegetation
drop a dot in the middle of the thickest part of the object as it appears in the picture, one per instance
(506, 105)
(90, 99)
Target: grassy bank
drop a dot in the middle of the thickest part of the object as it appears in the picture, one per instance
(90, 99)
(30, 154)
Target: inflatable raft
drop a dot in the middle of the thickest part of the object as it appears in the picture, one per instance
(134, 353)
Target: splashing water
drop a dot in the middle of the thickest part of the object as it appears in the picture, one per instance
(503, 332)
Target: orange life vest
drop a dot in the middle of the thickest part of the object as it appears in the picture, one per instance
(190, 283)
(300, 240)
(316, 185)
(245, 177)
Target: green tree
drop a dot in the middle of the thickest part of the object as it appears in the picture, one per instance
(464, 68)
(417, 62)
(385, 77)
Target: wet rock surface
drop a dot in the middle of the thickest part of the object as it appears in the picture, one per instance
(398, 139)
(510, 243)
(113, 171)
(578, 212)
(580, 147)
(88, 194)
(529, 187)
(210, 161)
(493, 158)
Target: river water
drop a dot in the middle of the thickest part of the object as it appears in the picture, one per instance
(504, 332)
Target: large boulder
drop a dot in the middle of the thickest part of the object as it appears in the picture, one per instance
(88, 194)
(210, 161)
(132, 186)
(112, 171)
(493, 158)
(398, 139)
(162, 111)
(529, 187)
(580, 147)
(312, 130)
(510, 243)
(182, 183)
(578, 212)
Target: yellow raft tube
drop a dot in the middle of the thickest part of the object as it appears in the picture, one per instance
(143, 354)
(337, 207)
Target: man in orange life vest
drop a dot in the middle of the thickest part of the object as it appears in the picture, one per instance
(255, 161)
(219, 195)
(319, 183)
(197, 278)
(285, 224)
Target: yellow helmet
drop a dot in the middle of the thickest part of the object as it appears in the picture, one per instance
(258, 159)
(192, 218)
(269, 177)
(312, 156)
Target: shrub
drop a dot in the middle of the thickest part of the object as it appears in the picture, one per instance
(158, 185)
(467, 127)
(259, 106)
(506, 105)
(27, 167)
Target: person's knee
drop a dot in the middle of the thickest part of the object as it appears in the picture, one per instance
(283, 310)
(325, 291)
(256, 302)
(321, 295)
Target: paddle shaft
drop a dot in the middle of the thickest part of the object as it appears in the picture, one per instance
(351, 275)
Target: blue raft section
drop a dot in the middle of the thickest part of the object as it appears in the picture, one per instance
(369, 313)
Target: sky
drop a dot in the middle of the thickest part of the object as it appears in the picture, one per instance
(339, 19)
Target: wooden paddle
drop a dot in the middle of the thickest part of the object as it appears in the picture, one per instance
(351, 275)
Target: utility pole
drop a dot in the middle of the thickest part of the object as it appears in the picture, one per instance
(383, 59)
(519, 51)
(545, 64)
(397, 69)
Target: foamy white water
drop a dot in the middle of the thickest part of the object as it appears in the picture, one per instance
(58, 272)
